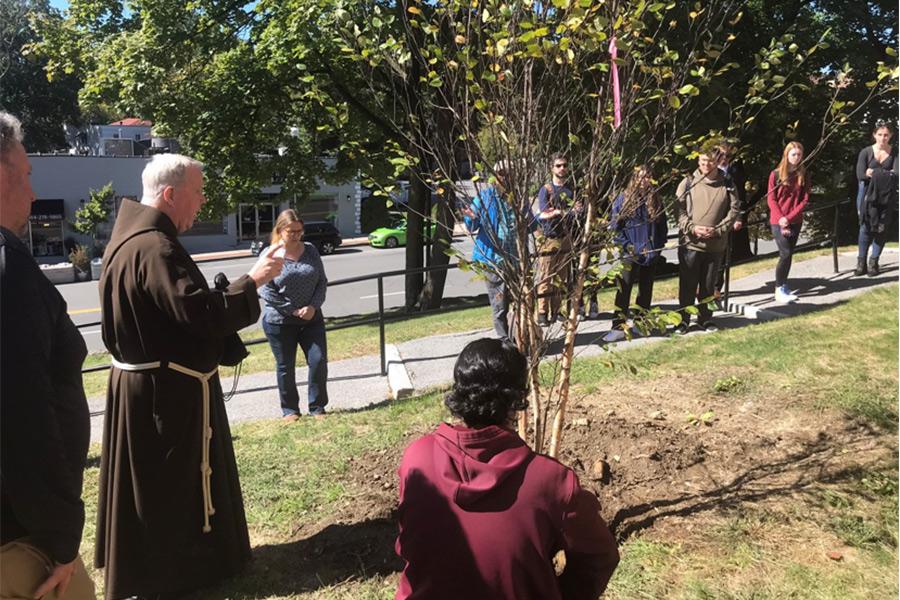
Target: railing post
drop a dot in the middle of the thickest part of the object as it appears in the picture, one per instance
(727, 282)
(381, 347)
(834, 238)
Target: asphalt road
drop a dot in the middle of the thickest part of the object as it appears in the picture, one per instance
(342, 300)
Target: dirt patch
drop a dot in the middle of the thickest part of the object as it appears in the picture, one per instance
(651, 460)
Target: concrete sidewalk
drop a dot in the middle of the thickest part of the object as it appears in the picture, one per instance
(426, 363)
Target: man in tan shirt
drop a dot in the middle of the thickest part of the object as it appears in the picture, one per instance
(707, 208)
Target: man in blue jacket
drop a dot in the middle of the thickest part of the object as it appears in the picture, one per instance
(491, 218)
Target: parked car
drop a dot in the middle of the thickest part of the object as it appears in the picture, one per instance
(321, 234)
(395, 235)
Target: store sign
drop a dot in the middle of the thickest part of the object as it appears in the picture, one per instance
(47, 210)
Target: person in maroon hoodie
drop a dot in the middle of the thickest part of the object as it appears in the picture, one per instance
(481, 515)
(788, 196)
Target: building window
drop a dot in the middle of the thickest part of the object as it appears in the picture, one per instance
(211, 227)
(45, 228)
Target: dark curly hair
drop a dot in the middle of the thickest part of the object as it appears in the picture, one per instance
(490, 381)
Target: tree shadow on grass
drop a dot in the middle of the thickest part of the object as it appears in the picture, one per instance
(817, 462)
(338, 553)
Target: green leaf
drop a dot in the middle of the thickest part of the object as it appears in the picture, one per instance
(675, 102)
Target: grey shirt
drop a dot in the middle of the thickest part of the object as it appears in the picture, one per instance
(302, 283)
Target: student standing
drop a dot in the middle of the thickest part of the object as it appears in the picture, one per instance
(639, 221)
(874, 162)
(788, 196)
(557, 213)
(707, 209)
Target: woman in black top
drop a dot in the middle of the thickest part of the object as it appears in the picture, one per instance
(879, 157)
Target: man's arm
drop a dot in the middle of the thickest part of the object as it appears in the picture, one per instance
(44, 495)
(547, 211)
(734, 209)
(591, 552)
(472, 215)
(166, 274)
(685, 222)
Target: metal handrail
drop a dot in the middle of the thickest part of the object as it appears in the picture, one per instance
(381, 318)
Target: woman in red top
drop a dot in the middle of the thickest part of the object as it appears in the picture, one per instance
(788, 196)
(481, 515)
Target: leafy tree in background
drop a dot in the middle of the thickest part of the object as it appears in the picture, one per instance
(43, 106)
(94, 215)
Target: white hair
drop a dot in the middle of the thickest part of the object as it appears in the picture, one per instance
(165, 170)
(10, 131)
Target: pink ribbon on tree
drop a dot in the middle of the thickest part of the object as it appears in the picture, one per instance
(617, 95)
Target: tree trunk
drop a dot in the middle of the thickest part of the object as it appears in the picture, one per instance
(433, 292)
(571, 329)
(414, 239)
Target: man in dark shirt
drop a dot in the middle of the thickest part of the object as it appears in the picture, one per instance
(44, 420)
(557, 213)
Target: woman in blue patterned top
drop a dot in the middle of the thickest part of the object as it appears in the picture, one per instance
(293, 316)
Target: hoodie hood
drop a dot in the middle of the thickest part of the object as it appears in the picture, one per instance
(135, 218)
(473, 464)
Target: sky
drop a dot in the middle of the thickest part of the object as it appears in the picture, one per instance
(60, 4)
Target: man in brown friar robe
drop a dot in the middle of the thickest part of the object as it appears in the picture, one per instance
(170, 518)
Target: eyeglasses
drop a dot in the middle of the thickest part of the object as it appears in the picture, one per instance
(293, 231)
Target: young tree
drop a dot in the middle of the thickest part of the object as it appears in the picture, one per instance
(94, 215)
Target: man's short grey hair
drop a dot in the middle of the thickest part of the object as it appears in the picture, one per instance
(10, 131)
(165, 170)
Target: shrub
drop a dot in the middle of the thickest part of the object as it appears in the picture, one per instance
(80, 257)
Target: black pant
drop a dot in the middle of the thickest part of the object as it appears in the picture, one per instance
(644, 276)
(696, 267)
(785, 252)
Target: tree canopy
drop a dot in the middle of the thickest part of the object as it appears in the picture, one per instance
(43, 106)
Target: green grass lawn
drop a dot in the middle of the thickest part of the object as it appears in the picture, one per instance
(363, 340)
(840, 361)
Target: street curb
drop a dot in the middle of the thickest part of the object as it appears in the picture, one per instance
(399, 382)
(202, 257)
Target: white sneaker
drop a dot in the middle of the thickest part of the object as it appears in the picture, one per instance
(784, 296)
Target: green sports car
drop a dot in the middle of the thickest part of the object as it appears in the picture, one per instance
(394, 235)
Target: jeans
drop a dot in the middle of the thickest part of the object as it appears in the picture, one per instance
(284, 339)
(496, 291)
(785, 252)
(697, 268)
(643, 274)
(866, 237)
